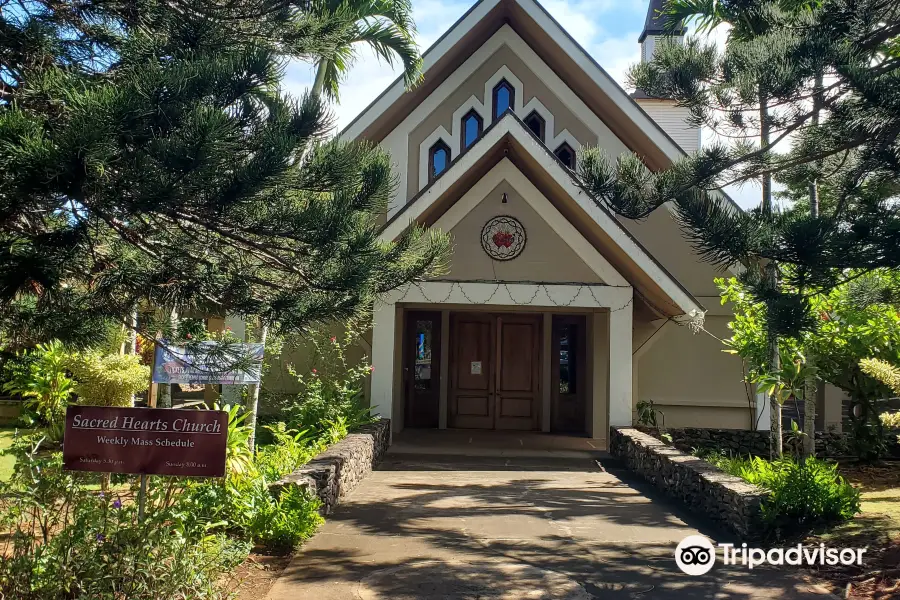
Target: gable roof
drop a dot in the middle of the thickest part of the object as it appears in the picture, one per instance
(508, 137)
(594, 86)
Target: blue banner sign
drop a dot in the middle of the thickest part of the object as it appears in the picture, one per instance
(208, 362)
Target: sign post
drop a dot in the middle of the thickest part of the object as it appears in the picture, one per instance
(142, 497)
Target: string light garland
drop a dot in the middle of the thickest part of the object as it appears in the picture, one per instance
(694, 319)
(504, 285)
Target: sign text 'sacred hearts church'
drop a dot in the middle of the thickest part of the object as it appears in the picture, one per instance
(150, 441)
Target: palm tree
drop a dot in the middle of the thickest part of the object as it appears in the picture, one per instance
(386, 26)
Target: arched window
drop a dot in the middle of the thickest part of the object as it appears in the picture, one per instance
(438, 159)
(566, 155)
(504, 98)
(471, 128)
(536, 124)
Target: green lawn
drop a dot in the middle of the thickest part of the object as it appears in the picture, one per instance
(7, 462)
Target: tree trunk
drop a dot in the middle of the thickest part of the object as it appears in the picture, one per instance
(164, 393)
(319, 82)
(771, 273)
(253, 397)
(809, 412)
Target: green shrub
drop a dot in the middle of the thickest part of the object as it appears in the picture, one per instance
(729, 463)
(803, 493)
(281, 523)
(891, 420)
(107, 379)
(331, 400)
(867, 440)
(243, 504)
(41, 378)
(68, 541)
(289, 449)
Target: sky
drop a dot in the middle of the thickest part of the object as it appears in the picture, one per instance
(607, 29)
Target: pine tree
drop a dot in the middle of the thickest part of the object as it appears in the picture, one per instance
(816, 78)
(149, 156)
(855, 47)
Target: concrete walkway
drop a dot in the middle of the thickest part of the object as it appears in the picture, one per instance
(511, 528)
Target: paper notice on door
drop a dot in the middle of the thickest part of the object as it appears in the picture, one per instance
(476, 367)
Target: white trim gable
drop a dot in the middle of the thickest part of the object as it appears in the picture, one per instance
(560, 35)
(506, 171)
(397, 141)
(486, 110)
(509, 125)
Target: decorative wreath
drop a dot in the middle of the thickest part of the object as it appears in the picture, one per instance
(503, 238)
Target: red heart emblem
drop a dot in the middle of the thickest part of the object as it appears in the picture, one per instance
(503, 238)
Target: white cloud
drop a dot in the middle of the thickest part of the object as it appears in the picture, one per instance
(589, 22)
(617, 54)
(370, 76)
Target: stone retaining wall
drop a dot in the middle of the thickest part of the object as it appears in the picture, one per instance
(830, 444)
(729, 501)
(338, 470)
(9, 411)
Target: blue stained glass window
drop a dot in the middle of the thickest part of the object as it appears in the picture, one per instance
(439, 159)
(471, 128)
(504, 97)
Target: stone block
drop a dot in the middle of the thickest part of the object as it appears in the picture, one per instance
(342, 466)
(729, 501)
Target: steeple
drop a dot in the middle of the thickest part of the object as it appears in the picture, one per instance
(655, 21)
(654, 30)
(673, 119)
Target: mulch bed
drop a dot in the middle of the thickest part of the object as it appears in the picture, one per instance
(253, 579)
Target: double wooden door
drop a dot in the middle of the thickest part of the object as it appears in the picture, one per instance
(494, 371)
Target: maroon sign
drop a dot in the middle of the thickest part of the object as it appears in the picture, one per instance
(152, 441)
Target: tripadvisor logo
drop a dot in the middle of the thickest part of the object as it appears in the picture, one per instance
(696, 554)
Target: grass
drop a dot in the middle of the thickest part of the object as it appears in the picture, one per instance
(877, 528)
(7, 462)
(880, 493)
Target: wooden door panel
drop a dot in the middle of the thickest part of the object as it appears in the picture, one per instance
(516, 407)
(473, 346)
(471, 384)
(472, 406)
(517, 357)
(518, 382)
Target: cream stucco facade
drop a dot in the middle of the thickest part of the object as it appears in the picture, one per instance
(605, 303)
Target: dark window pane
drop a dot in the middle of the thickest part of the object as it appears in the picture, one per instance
(566, 155)
(535, 123)
(472, 130)
(423, 355)
(567, 359)
(438, 162)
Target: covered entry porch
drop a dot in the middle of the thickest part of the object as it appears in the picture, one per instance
(504, 356)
